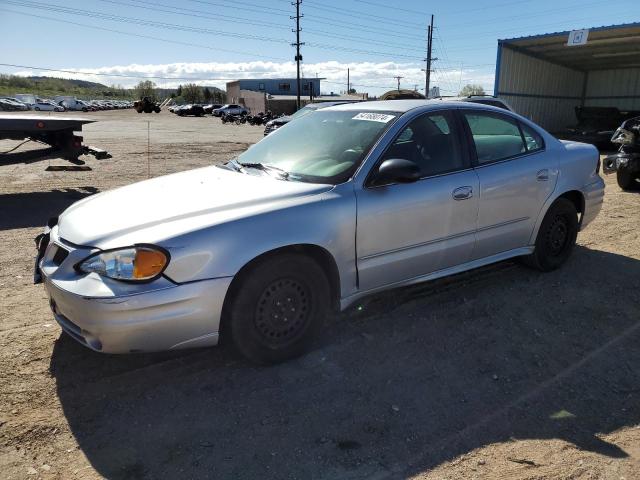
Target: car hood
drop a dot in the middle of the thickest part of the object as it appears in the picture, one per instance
(163, 207)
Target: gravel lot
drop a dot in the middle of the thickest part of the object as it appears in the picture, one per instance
(498, 373)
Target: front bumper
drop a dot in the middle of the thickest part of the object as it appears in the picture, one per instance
(621, 161)
(116, 317)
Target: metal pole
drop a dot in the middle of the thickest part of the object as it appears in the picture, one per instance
(297, 45)
(429, 50)
(348, 83)
(398, 79)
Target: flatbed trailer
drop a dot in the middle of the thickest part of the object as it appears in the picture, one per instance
(59, 132)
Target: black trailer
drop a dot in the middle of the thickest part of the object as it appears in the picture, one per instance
(59, 133)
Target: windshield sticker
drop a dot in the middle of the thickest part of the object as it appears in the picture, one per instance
(374, 117)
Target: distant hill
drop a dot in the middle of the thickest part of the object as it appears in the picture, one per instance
(71, 81)
(47, 87)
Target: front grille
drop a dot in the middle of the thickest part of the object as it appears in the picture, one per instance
(60, 255)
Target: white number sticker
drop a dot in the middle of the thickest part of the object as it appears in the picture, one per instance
(374, 117)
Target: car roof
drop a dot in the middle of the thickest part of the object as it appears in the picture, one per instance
(402, 106)
(318, 105)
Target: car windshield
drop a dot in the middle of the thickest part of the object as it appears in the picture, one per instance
(326, 147)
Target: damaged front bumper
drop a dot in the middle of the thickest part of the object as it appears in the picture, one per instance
(118, 317)
(622, 161)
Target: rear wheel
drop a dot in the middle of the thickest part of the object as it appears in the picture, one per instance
(556, 237)
(278, 308)
(627, 180)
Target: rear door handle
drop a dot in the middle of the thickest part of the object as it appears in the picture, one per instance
(542, 175)
(462, 193)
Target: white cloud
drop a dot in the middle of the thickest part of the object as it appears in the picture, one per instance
(371, 77)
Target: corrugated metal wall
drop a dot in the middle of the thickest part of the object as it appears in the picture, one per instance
(544, 92)
(614, 83)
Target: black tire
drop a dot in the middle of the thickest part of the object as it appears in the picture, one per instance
(556, 237)
(627, 180)
(278, 308)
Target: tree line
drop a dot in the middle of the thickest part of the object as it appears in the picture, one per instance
(188, 93)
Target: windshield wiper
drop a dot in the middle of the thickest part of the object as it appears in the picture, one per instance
(265, 167)
(234, 164)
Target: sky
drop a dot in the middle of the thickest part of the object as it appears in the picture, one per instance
(210, 42)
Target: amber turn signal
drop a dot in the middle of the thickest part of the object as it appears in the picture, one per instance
(148, 263)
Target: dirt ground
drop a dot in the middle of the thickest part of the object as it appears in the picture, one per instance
(498, 373)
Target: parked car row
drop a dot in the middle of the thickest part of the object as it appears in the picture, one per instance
(191, 109)
(10, 104)
(24, 102)
(215, 109)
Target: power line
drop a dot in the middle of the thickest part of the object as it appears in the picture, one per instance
(392, 8)
(360, 14)
(138, 35)
(171, 26)
(195, 13)
(147, 77)
(139, 21)
(344, 24)
(241, 20)
(529, 15)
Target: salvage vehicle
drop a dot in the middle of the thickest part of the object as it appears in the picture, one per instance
(47, 106)
(211, 107)
(596, 125)
(349, 201)
(626, 163)
(230, 109)
(190, 109)
(9, 104)
(282, 120)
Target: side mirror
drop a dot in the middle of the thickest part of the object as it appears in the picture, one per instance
(396, 170)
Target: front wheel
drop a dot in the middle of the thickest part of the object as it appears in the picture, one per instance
(278, 308)
(556, 237)
(627, 180)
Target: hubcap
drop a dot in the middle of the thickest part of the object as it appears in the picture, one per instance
(557, 235)
(283, 311)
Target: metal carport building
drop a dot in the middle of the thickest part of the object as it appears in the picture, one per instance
(544, 77)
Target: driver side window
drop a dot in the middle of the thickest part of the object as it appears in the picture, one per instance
(430, 141)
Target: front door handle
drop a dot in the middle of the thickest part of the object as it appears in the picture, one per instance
(462, 193)
(542, 175)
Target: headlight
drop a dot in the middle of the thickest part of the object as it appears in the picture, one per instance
(138, 263)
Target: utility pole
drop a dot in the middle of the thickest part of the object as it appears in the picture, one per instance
(348, 83)
(398, 79)
(429, 59)
(297, 45)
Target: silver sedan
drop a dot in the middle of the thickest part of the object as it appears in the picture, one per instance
(343, 203)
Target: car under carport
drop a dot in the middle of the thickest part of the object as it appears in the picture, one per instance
(557, 77)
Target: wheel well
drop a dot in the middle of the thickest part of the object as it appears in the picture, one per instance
(320, 255)
(575, 197)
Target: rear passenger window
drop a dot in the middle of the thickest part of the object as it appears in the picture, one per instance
(495, 137)
(532, 139)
